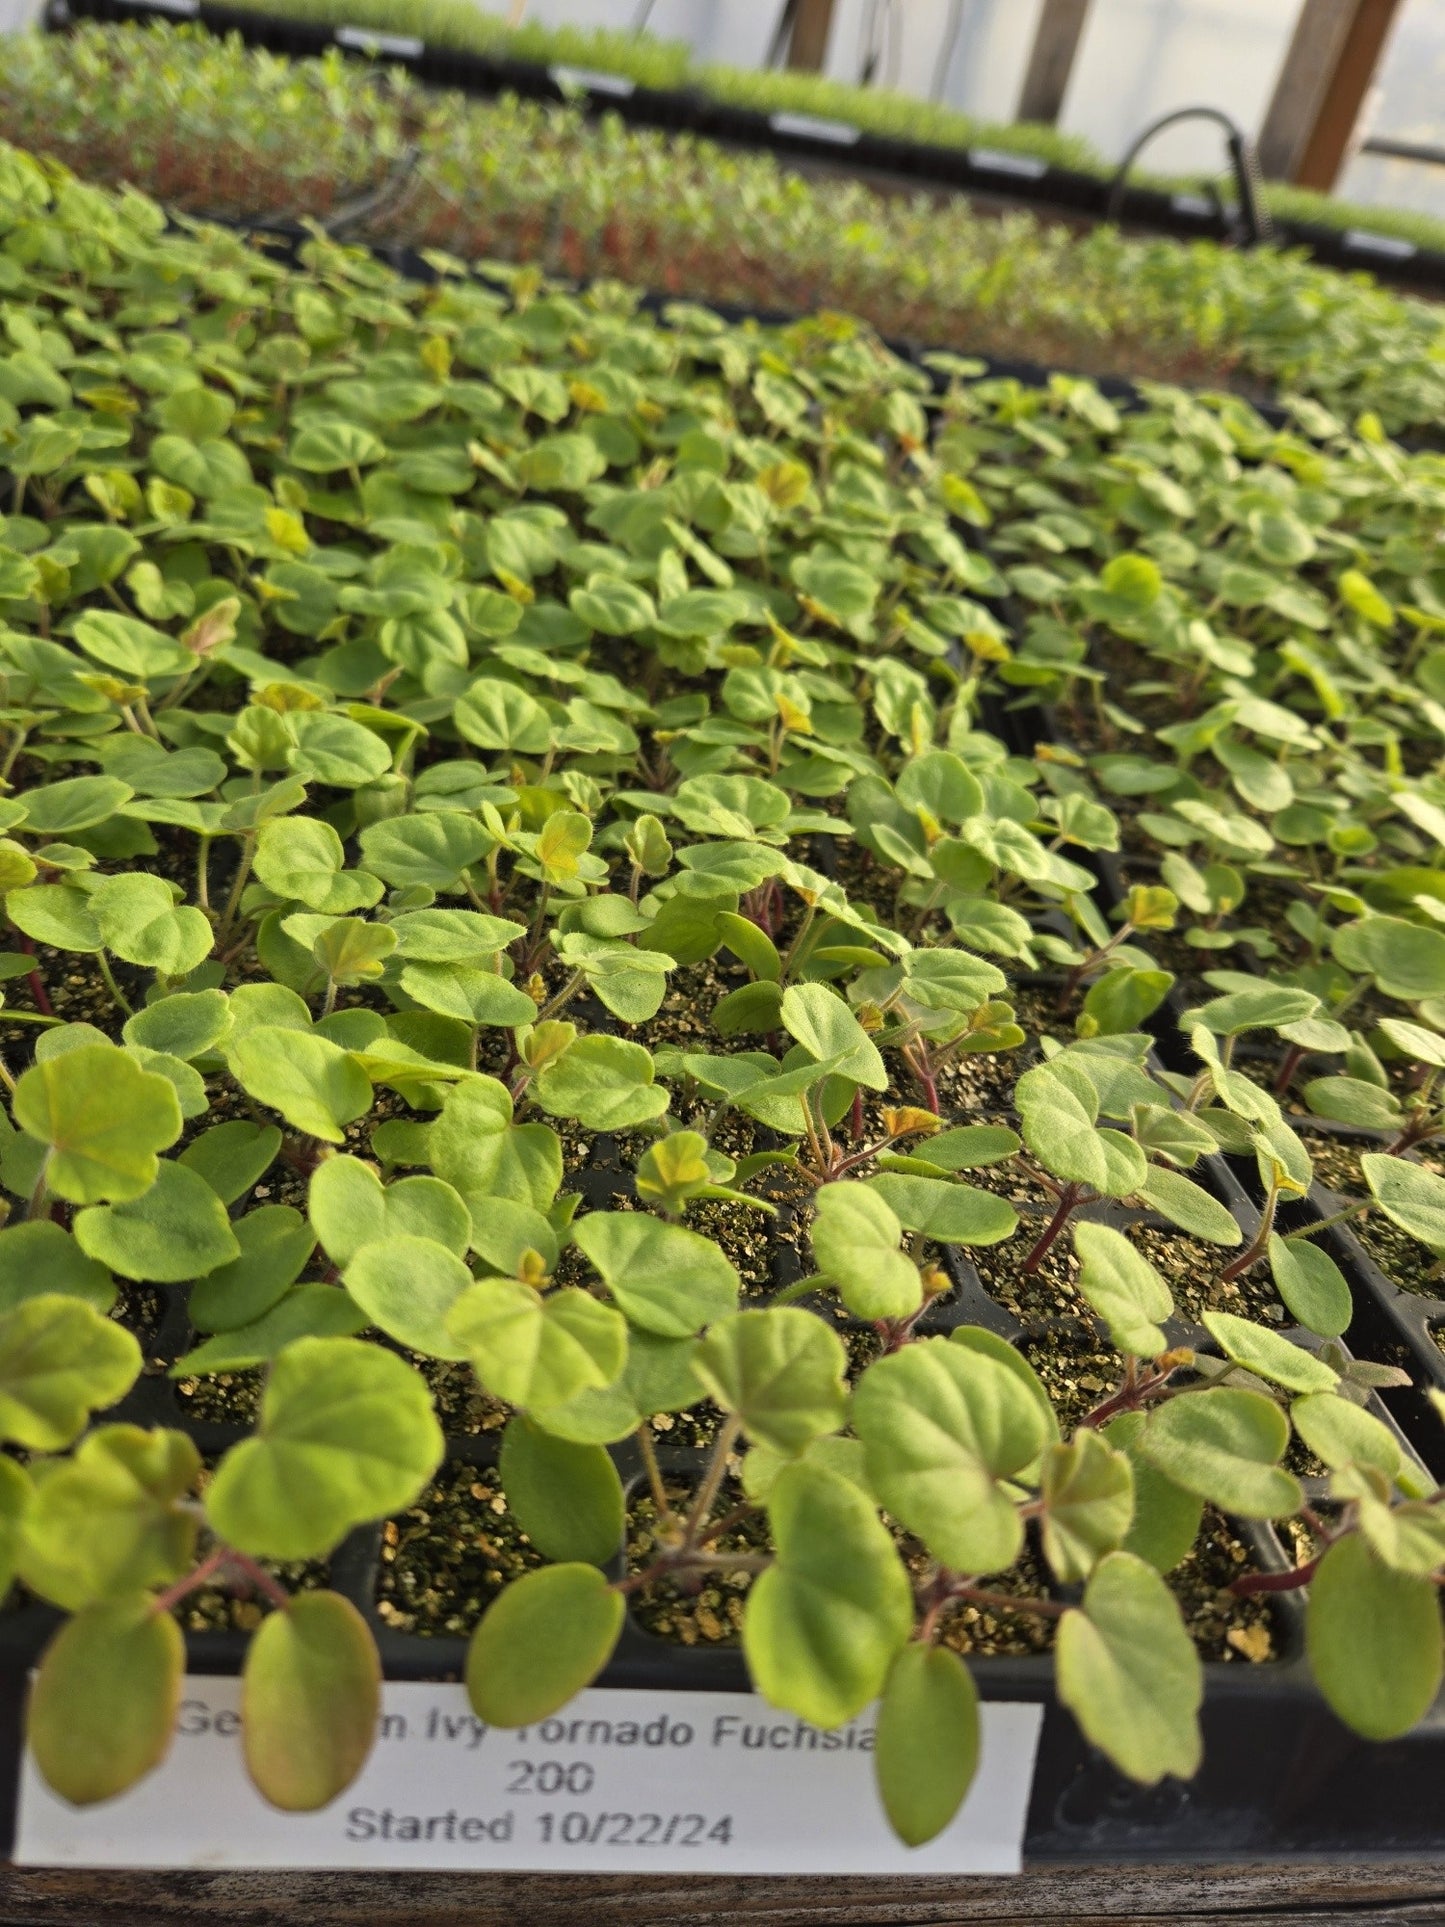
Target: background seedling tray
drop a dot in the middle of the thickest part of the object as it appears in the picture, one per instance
(977, 169)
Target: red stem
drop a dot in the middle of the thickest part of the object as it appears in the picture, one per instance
(1069, 1199)
(37, 986)
(1252, 1582)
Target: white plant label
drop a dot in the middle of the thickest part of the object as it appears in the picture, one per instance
(619, 1782)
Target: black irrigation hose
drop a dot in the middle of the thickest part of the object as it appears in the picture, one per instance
(1251, 223)
(979, 169)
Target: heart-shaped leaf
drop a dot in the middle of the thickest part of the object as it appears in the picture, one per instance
(1128, 1672)
(781, 1371)
(110, 1522)
(665, 1278)
(823, 1623)
(1088, 1496)
(537, 1352)
(346, 1434)
(60, 1361)
(350, 1207)
(103, 1119)
(943, 1425)
(176, 1231)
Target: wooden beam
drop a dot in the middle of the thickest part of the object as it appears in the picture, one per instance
(1309, 65)
(812, 24)
(1328, 146)
(1060, 28)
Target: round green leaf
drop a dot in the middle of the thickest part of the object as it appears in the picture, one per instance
(104, 1703)
(110, 1521)
(927, 1741)
(1311, 1284)
(942, 1425)
(539, 1642)
(667, 1279)
(606, 1083)
(823, 1623)
(1374, 1641)
(567, 1498)
(536, 1352)
(315, 1085)
(782, 1372)
(855, 1242)
(1225, 1444)
(176, 1231)
(346, 1434)
(1128, 1672)
(103, 1118)
(407, 1287)
(60, 1361)
(310, 1700)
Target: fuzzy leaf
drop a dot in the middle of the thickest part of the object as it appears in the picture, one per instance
(567, 1498)
(315, 1085)
(927, 1741)
(103, 1119)
(407, 1287)
(537, 1352)
(346, 1434)
(171, 1234)
(823, 1623)
(855, 1242)
(1225, 1445)
(1313, 1287)
(1374, 1641)
(59, 1361)
(1124, 1288)
(943, 1425)
(1128, 1672)
(104, 1703)
(310, 1701)
(665, 1278)
(781, 1371)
